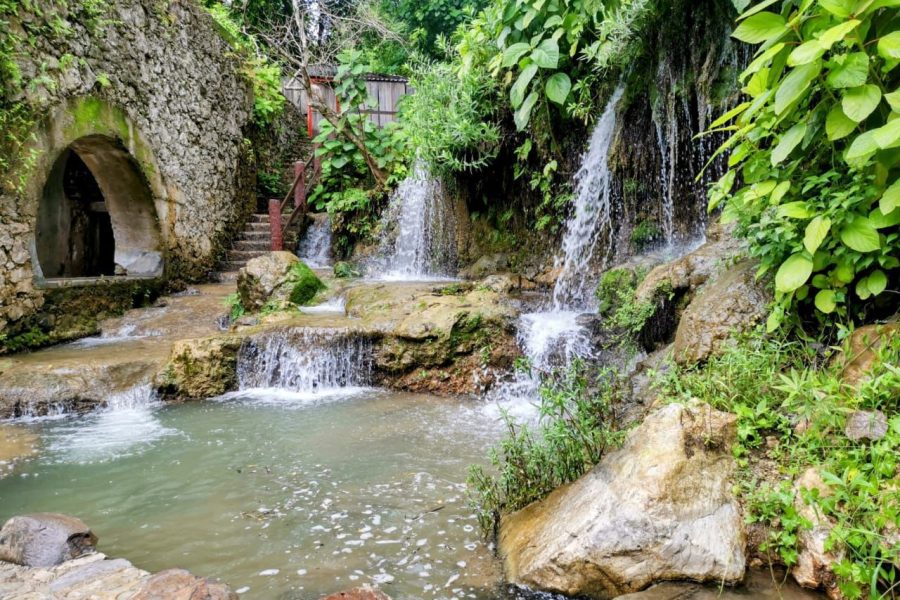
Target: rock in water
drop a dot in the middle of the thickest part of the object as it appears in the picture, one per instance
(44, 539)
(732, 303)
(278, 276)
(658, 509)
(365, 592)
(178, 584)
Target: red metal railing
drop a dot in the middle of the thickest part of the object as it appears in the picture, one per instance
(305, 175)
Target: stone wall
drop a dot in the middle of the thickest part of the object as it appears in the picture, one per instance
(150, 80)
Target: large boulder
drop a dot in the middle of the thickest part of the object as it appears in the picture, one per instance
(661, 508)
(278, 277)
(44, 539)
(733, 302)
(201, 368)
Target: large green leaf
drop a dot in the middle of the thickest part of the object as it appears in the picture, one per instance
(894, 100)
(882, 220)
(795, 85)
(558, 87)
(837, 33)
(825, 301)
(794, 210)
(876, 282)
(816, 232)
(839, 8)
(859, 102)
(889, 46)
(860, 235)
(793, 273)
(890, 200)
(848, 71)
(523, 114)
(837, 125)
(512, 54)
(791, 138)
(888, 135)
(546, 55)
(862, 147)
(806, 53)
(760, 27)
(518, 89)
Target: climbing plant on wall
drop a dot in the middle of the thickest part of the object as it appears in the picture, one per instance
(814, 152)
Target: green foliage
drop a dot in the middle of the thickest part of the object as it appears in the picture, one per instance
(576, 428)
(32, 338)
(304, 284)
(344, 270)
(232, 302)
(263, 74)
(270, 184)
(792, 413)
(644, 234)
(450, 120)
(618, 302)
(816, 149)
(425, 23)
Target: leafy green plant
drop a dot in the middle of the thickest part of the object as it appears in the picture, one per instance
(576, 428)
(815, 148)
(344, 270)
(232, 302)
(263, 73)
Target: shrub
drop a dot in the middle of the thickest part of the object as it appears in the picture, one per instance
(304, 284)
(575, 429)
(232, 302)
(344, 270)
(815, 148)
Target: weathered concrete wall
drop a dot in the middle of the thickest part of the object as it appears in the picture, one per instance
(155, 79)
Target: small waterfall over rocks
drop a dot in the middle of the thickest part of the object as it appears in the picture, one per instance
(419, 231)
(592, 221)
(315, 247)
(306, 360)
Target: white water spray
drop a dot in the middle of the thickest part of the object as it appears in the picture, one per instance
(315, 247)
(419, 242)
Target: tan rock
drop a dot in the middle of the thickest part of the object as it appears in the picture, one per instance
(660, 508)
(201, 368)
(178, 584)
(815, 563)
(365, 592)
(732, 303)
(862, 356)
(263, 279)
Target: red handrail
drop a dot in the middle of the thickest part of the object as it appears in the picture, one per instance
(300, 189)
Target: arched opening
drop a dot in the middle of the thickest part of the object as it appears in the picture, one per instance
(96, 215)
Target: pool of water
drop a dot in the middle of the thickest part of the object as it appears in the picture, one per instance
(281, 495)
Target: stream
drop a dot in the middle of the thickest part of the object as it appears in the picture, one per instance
(279, 494)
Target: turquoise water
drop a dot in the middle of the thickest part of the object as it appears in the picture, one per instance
(280, 495)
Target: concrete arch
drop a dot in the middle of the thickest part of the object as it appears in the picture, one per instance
(104, 141)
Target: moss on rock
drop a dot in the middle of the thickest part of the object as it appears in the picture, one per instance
(304, 284)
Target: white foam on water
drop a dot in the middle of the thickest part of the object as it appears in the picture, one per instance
(281, 398)
(334, 305)
(127, 424)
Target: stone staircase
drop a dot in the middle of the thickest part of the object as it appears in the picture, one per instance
(255, 240)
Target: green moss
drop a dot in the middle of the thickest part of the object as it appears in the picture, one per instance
(305, 284)
(344, 270)
(644, 234)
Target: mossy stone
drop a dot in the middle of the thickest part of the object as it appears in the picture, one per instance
(305, 284)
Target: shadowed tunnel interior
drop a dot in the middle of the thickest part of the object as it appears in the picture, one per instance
(96, 215)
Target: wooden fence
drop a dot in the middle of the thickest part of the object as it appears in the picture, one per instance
(385, 90)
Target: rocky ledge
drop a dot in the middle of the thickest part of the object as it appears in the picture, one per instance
(48, 555)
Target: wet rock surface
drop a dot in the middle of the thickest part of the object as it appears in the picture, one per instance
(660, 508)
(365, 592)
(16, 443)
(178, 584)
(731, 303)
(44, 540)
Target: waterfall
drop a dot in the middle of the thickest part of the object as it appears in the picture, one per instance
(591, 222)
(419, 231)
(557, 337)
(315, 247)
(306, 360)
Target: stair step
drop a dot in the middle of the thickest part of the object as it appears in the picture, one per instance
(261, 245)
(264, 218)
(245, 255)
(257, 227)
(233, 266)
(253, 235)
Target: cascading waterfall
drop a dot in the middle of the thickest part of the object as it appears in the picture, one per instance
(557, 336)
(420, 231)
(306, 360)
(315, 247)
(592, 219)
